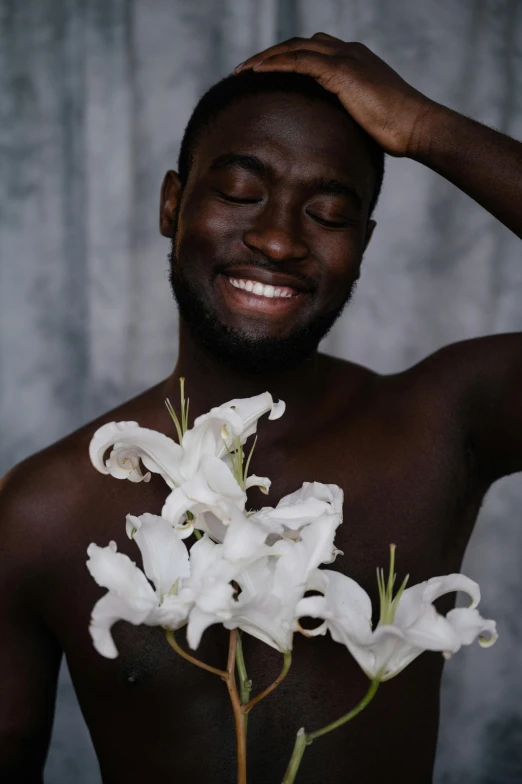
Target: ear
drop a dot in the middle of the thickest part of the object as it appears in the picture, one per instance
(169, 202)
(369, 232)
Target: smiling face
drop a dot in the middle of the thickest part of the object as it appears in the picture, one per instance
(269, 231)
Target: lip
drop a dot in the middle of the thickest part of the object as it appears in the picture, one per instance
(249, 304)
(275, 279)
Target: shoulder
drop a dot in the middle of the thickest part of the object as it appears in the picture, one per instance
(467, 378)
(463, 370)
(478, 383)
(39, 498)
(48, 498)
(477, 360)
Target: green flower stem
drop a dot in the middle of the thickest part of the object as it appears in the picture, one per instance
(368, 697)
(304, 739)
(297, 756)
(269, 689)
(245, 685)
(239, 718)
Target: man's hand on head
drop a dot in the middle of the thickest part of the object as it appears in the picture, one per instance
(389, 109)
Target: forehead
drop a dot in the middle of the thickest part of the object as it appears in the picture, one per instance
(296, 135)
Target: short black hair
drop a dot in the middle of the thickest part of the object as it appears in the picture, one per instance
(236, 86)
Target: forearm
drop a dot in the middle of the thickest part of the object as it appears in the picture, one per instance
(482, 162)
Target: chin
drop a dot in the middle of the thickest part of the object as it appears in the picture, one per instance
(256, 336)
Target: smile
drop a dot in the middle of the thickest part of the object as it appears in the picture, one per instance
(254, 298)
(262, 290)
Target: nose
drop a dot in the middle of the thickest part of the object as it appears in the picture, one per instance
(275, 233)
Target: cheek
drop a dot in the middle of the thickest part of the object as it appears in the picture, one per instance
(206, 230)
(340, 259)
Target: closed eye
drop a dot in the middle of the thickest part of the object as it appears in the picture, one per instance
(330, 224)
(236, 200)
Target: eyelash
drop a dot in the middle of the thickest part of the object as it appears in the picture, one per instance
(237, 201)
(330, 224)
(322, 221)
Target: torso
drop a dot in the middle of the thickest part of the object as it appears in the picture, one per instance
(398, 450)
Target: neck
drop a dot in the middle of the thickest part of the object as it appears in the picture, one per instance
(210, 382)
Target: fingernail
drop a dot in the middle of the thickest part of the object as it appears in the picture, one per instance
(238, 67)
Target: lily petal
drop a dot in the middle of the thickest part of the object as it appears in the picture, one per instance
(438, 586)
(128, 440)
(212, 489)
(249, 410)
(470, 625)
(106, 612)
(116, 571)
(165, 557)
(199, 621)
(243, 539)
(263, 482)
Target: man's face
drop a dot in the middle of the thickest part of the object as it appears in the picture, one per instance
(271, 229)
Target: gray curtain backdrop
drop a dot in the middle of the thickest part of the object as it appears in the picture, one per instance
(94, 96)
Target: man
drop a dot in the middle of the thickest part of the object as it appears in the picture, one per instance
(269, 218)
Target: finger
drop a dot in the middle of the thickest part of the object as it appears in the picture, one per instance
(302, 61)
(292, 44)
(282, 46)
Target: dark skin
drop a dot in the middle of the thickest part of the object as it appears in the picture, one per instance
(415, 452)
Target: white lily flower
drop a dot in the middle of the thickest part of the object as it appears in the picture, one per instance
(131, 443)
(196, 590)
(210, 436)
(130, 595)
(220, 428)
(298, 509)
(272, 586)
(244, 533)
(409, 623)
(212, 489)
(211, 584)
(194, 470)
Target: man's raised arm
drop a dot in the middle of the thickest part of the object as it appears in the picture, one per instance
(485, 374)
(485, 164)
(29, 654)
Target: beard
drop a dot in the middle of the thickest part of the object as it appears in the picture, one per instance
(242, 351)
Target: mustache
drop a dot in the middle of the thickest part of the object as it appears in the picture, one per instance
(285, 268)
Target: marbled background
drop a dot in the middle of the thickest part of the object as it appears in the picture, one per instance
(94, 95)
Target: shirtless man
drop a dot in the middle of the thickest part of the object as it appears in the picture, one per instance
(277, 190)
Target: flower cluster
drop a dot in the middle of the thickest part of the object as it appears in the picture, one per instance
(250, 570)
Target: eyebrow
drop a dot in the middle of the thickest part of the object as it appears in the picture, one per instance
(249, 163)
(254, 165)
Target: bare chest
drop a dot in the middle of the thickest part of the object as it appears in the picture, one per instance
(409, 482)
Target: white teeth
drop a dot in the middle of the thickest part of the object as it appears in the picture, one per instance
(260, 289)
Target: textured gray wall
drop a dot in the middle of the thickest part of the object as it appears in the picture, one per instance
(94, 95)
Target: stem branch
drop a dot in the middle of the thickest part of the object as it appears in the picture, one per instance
(171, 639)
(245, 684)
(282, 675)
(297, 756)
(236, 707)
(304, 739)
